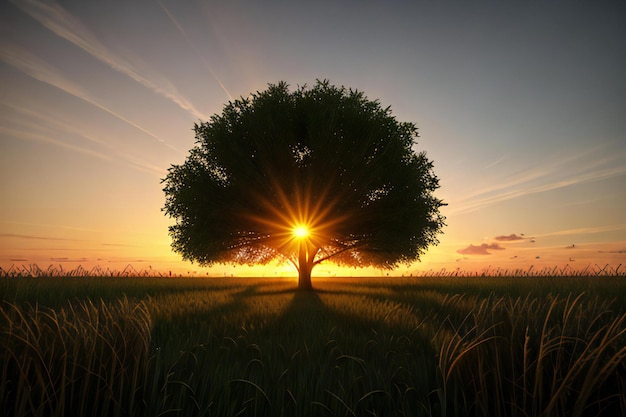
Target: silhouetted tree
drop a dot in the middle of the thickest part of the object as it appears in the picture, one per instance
(304, 176)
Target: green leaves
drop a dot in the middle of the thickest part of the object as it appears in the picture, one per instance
(326, 157)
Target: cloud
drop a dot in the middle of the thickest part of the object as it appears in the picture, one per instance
(40, 70)
(496, 162)
(587, 230)
(195, 49)
(47, 124)
(44, 138)
(510, 238)
(576, 168)
(65, 25)
(18, 236)
(480, 250)
(69, 259)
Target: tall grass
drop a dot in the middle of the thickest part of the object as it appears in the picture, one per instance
(86, 358)
(530, 356)
(433, 346)
(595, 270)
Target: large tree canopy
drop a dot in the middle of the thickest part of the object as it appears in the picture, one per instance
(305, 176)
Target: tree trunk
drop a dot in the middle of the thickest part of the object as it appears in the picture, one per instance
(304, 278)
(305, 265)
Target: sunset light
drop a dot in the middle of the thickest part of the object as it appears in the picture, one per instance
(303, 208)
(528, 144)
(300, 231)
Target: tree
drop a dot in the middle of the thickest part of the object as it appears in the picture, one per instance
(305, 176)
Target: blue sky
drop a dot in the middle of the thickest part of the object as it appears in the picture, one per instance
(520, 104)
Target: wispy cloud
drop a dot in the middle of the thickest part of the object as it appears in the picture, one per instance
(40, 127)
(45, 138)
(576, 168)
(45, 122)
(69, 259)
(35, 237)
(49, 226)
(586, 230)
(195, 49)
(480, 250)
(37, 126)
(144, 166)
(497, 161)
(58, 20)
(42, 71)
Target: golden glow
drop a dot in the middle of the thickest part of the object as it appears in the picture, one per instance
(300, 231)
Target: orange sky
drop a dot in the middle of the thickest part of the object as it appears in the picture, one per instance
(519, 106)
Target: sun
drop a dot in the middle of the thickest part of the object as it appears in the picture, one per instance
(300, 232)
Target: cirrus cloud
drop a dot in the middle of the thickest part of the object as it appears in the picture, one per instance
(65, 25)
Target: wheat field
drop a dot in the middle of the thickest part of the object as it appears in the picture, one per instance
(426, 346)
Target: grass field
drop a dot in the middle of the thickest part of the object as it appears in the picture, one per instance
(428, 346)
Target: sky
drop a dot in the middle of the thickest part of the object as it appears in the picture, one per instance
(520, 105)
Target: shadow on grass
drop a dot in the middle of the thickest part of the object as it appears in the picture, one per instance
(358, 347)
(332, 361)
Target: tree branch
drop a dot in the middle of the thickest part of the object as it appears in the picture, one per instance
(325, 258)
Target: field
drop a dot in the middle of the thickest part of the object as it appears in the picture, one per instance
(427, 346)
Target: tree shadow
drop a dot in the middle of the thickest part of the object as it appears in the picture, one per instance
(295, 321)
(309, 350)
(317, 351)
